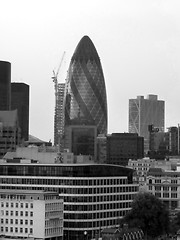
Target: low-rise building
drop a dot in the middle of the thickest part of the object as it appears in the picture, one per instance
(165, 184)
(35, 214)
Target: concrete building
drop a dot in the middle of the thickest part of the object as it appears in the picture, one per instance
(165, 184)
(85, 93)
(101, 148)
(5, 86)
(124, 146)
(9, 131)
(144, 112)
(20, 101)
(95, 195)
(31, 214)
(59, 115)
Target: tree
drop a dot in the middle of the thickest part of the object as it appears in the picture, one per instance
(150, 214)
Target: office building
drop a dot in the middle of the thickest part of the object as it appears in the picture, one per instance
(59, 115)
(81, 140)
(85, 94)
(124, 146)
(144, 112)
(95, 195)
(9, 131)
(20, 101)
(5, 86)
(31, 214)
(165, 184)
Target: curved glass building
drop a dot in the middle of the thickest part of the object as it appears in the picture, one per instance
(95, 196)
(85, 95)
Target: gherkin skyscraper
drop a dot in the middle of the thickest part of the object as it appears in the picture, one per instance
(85, 94)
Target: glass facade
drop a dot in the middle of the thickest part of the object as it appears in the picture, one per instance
(95, 196)
(85, 93)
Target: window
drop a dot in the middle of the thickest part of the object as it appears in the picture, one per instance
(26, 221)
(31, 222)
(2, 220)
(26, 213)
(7, 204)
(11, 213)
(21, 213)
(2, 229)
(11, 221)
(7, 213)
(21, 205)
(12, 205)
(21, 221)
(31, 205)
(16, 213)
(11, 229)
(16, 221)
(31, 231)
(16, 229)
(26, 230)
(2, 204)
(31, 214)
(26, 205)
(6, 229)
(6, 221)
(21, 230)
(17, 205)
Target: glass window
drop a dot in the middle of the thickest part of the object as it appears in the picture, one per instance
(31, 214)
(26, 221)
(26, 205)
(26, 213)
(21, 213)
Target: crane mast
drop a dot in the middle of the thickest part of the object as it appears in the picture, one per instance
(55, 81)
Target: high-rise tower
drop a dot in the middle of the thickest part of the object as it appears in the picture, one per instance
(85, 93)
(5, 85)
(144, 112)
(20, 101)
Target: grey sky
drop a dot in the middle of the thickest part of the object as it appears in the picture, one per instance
(138, 42)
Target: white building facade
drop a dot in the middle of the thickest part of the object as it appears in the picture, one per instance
(31, 214)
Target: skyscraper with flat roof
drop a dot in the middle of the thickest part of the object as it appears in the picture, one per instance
(144, 112)
(5, 85)
(85, 93)
(20, 101)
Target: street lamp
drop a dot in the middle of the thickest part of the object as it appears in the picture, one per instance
(85, 235)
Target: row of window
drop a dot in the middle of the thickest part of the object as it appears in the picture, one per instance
(53, 206)
(17, 205)
(166, 188)
(99, 207)
(71, 182)
(16, 213)
(16, 230)
(16, 221)
(52, 231)
(98, 199)
(166, 195)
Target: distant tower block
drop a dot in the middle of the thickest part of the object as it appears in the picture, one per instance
(5, 85)
(144, 112)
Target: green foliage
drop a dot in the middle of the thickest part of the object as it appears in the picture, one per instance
(150, 214)
(174, 224)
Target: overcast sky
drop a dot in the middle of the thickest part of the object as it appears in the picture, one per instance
(138, 42)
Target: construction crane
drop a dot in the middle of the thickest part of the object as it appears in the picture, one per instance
(55, 80)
